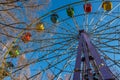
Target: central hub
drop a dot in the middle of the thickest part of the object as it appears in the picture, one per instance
(81, 31)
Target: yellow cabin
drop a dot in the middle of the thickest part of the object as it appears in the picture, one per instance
(107, 5)
(40, 27)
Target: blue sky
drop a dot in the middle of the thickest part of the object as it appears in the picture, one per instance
(68, 24)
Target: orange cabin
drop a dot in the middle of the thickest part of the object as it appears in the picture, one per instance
(87, 7)
(26, 37)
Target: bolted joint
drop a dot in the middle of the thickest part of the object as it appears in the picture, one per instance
(77, 70)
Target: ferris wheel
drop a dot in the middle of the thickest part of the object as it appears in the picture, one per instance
(77, 41)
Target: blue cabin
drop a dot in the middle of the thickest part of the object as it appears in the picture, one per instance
(54, 18)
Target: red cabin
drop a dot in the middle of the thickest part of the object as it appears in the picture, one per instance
(87, 7)
(26, 37)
